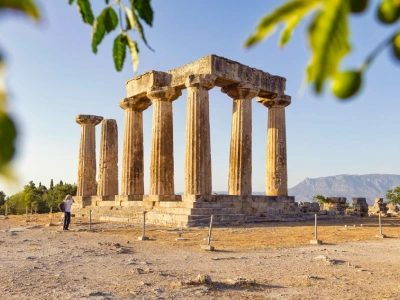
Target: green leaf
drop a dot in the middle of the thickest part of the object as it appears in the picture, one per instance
(71, 1)
(107, 1)
(144, 10)
(26, 6)
(86, 11)
(105, 23)
(286, 33)
(2, 85)
(110, 19)
(135, 23)
(284, 13)
(8, 134)
(329, 40)
(119, 51)
(134, 50)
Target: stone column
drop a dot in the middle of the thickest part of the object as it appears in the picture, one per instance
(87, 155)
(198, 175)
(108, 165)
(132, 157)
(162, 147)
(241, 139)
(276, 180)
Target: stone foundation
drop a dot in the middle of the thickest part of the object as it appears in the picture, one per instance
(380, 206)
(360, 206)
(335, 205)
(187, 210)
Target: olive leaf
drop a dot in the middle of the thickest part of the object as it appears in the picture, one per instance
(119, 51)
(8, 134)
(86, 11)
(135, 23)
(106, 22)
(144, 10)
(329, 40)
(26, 6)
(285, 13)
(134, 50)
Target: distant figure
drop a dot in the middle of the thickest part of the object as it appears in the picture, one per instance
(67, 212)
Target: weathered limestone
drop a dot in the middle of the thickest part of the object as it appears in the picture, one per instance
(198, 177)
(108, 165)
(132, 159)
(360, 206)
(241, 139)
(87, 155)
(335, 205)
(162, 150)
(276, 179)
(241, 83)
(380, 206)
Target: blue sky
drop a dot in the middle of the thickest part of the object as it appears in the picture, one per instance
(53, 76)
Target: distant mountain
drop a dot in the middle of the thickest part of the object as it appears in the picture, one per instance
(368, 186)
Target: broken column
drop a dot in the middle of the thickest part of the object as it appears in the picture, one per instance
(380, 206)
(360, 206)
(198, 177)
(276, 179)
(108, 163)
(86, 185)
(162, 147)
(132, 157)
(240, 168)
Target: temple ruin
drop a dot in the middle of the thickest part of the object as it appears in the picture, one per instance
(160, 89)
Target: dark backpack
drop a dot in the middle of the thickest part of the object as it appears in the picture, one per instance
(61, 206)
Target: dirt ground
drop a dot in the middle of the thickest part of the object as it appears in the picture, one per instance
(255, 261)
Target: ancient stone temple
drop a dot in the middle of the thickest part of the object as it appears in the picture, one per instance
(160, 89)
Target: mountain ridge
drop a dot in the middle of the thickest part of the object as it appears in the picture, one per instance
(369, 186)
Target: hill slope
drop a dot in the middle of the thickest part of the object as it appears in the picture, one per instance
(369, 186)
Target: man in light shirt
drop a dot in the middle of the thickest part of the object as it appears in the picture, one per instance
(67, 212)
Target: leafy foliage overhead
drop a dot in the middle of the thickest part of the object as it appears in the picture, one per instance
(128, 17)
(329, 38)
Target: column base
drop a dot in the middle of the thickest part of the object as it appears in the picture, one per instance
(82, 201)
(129, 198)
(157, 198)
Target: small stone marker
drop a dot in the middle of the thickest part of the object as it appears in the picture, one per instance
(380, 235)
(208, 247)
(316, 241)
(144, 237)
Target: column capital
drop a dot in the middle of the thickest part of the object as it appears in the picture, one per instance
(206, 81)
(240, 91)
(135, 103)
(165, 93)
(279, 100)
(88, 119)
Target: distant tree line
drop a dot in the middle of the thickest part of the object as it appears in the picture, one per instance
(38, 197)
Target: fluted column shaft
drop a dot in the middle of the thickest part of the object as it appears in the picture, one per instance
(198, 174)
(276, 177)
(240, 168)
(132, 157)
(162, 147)
(108, 164)
(86, 185)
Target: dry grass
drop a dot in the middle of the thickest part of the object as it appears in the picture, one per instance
(239, 238)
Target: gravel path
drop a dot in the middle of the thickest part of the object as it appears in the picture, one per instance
(44, 262)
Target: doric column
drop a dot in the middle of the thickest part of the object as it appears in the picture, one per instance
(132, 157)
(198, 178)
(162, 146)
(87, 155)
(108, 164)
(276, 179)
(240, 152)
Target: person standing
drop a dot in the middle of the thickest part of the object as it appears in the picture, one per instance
(67, 212)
